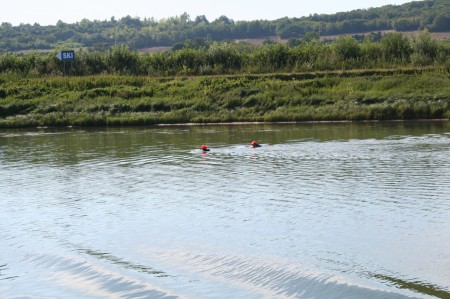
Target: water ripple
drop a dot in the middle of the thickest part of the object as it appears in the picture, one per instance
(87, 278)
(271, 277)
(311, 214)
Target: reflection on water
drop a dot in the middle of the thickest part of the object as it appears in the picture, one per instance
(319, 211)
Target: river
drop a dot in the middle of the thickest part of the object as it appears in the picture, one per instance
(325, 210)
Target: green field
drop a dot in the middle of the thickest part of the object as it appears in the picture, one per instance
(358, 95)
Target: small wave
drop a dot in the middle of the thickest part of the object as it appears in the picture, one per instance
(83, 277)
(271, 277)
(123, 263)
(3, 270)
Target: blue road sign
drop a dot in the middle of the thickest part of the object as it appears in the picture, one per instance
(66, 55)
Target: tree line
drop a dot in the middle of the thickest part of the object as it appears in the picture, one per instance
(136, 33)
(218, 58)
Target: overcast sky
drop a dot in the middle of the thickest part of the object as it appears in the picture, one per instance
(48, 12)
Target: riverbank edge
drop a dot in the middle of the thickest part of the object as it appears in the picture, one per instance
(241, 123)
(113, 101)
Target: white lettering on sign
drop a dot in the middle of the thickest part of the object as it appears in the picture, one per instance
(67, 55)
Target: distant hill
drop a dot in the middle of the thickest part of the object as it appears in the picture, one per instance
(136, 33)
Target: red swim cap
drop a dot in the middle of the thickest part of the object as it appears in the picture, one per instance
(254, 142)
(204, 146)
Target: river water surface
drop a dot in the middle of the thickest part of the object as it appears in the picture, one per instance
(319, 211)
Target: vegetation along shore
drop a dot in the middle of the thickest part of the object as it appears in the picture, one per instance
(397, 77)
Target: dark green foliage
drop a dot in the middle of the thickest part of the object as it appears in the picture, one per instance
(184, 32)
(394, 51)
(441, 22)
(347, 48)
(394, 78)
(395, 47)
(425, 50)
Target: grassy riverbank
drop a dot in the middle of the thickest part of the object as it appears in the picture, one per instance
(130, 100)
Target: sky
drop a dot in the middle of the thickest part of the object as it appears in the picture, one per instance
(48, 12)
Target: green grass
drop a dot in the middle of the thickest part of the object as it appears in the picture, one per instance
(130, 100)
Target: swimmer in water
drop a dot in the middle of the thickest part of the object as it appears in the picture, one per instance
(205, 148)
(255, 144)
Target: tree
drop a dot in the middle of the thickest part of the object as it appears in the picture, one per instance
(131, 22)
(395, 46)
(441, 23)
(425, 49)
(122, 60)
(271, 57)
(406, 24)
(224, 20)
(347, 48)
(224, 55)
(201, 19)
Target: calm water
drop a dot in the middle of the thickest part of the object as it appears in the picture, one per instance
(319, 211)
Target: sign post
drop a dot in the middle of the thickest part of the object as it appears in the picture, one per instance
(66, 55)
